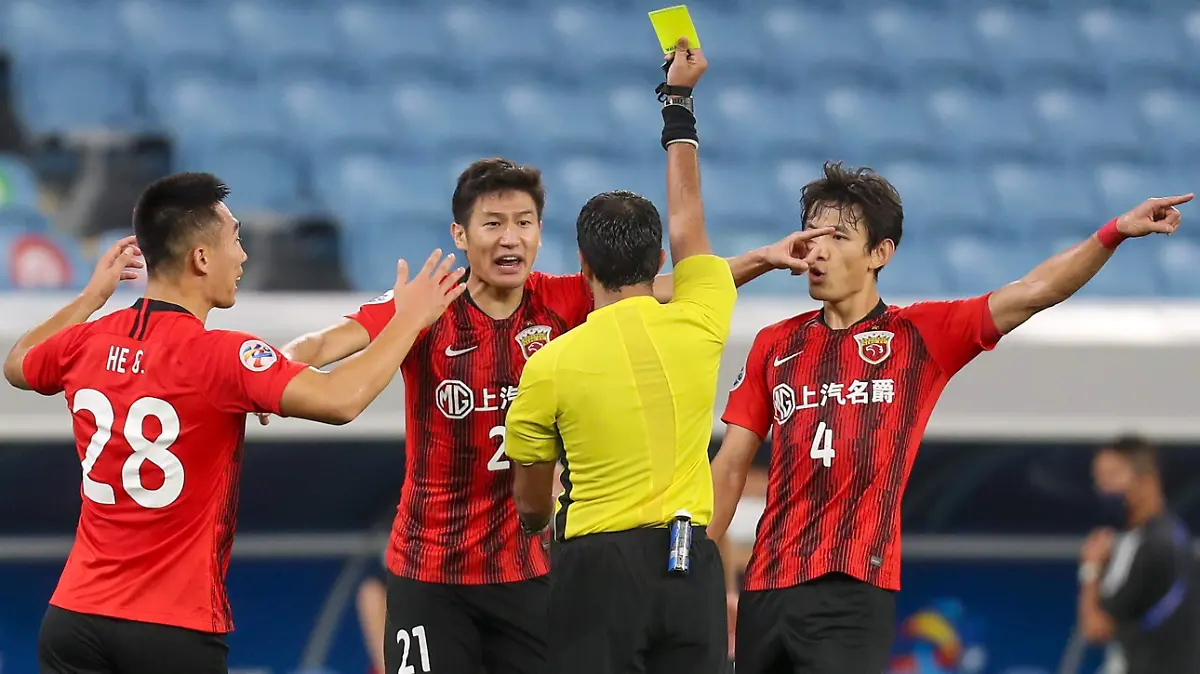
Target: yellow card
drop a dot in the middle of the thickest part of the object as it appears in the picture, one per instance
(672, 23)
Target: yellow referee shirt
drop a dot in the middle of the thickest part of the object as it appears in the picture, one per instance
(625, 401)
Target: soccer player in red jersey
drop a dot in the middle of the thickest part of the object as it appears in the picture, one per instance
(466, 587)
(159, 407)
(846, 392)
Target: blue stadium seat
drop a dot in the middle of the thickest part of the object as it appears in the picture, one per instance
(816, 40)
(499, 38)
(374, 245)
(878, 124)
(1040, 200)
(1180, 262)
(270, 32)
(1123, 186)
(736, 194)
(941, 199)
(549, 119)
(983, 126)
(559, 253)
(380, 34)
(913, 41)
(1172, 116)
(22, 218)
(577, 179)
(1129, 44)
(637, 120)
(734, 40)
(158, 29)
(322, 113)
(34, 260)
(605, 33)
(1135, 272)
(914, 272)
(18, 184)
(1087, 128)
(981, 264)
(207, 107)
(1022, 44)
(361, 186)
(75, 93)
(434, 119)
(40, 28)
(1191, 31)
(262, 176)
(752, 123)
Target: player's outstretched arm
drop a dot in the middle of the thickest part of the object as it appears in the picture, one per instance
(1060, 277)
(685, 208)
(318, 349)
(339, 396)
(117, 264)
(729, 470)
(790, 252)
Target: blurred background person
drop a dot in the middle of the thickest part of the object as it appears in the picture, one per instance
(1138, 575)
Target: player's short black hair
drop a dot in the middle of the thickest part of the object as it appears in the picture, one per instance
(877, 201)
(171, 213)
(620, 238)
(1138, 451)
(488, 176)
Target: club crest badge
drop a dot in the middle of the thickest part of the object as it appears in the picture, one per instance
(532, 339)
(874, 346)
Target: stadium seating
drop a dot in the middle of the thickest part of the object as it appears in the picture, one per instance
(1022, 122)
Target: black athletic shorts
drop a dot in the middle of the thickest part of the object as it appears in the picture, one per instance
(81, 643)
(498, 628)
(835, 624)
(614, 607)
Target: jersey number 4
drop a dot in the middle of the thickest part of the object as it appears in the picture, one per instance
(822, 445)
(155, 451)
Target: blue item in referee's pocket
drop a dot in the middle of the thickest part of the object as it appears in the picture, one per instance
(679, 557)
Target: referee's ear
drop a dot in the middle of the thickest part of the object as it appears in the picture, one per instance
(662, 259)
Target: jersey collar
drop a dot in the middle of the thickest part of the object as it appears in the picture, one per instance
(874, 313)
(158, 305)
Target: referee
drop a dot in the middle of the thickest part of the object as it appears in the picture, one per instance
(625, 402)
(1138, 587)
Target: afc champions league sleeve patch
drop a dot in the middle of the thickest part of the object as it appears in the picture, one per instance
(386, 297)
(256, 355)
(741, 376)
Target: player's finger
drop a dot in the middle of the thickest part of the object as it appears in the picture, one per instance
(120, 247)
(430, 264)
(444, 268)
(452, 279)
(816, 232)
(135, 263)
(401, 272)
(1163, 202)
(454, 293)
(128, 275)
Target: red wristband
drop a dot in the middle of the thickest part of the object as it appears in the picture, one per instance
(1110, 237)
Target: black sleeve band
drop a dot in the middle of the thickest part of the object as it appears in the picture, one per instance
(678, 124)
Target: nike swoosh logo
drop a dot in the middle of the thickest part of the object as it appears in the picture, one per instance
(452, 352)
(781, 361)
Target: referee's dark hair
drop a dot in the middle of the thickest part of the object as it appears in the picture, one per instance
(1141, 455)
(859, 193)
(620, 239)
(172, 213)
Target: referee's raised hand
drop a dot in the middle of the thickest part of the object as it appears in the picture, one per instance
(687, 65)
(431, 290)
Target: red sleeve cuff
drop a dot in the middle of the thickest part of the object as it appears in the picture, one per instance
(989, 334)
(288, 371)
(739, 419)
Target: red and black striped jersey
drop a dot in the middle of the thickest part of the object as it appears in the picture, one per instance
(159, 407)
(847, 410)
(456, 522)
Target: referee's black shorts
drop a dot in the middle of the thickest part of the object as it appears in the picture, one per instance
(614, 607)
(834, 624)
(81, 643)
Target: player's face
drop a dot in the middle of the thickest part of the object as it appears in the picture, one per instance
(225, 262)
(1112, 473)
(843, 266)
(501, 238)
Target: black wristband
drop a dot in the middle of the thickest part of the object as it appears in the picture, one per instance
(679, 124)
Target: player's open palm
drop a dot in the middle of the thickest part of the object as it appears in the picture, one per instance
(431, 290)
(1153, 216)
(117, 264)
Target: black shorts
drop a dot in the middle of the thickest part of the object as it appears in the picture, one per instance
(498, 628)
(81, 643)
(614, 607)
(834, 624)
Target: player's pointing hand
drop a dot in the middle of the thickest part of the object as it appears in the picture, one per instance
(794, 251)
(433, 288)
(115, 265)
(1153, 216)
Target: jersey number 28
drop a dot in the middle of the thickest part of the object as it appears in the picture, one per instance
(155, 451)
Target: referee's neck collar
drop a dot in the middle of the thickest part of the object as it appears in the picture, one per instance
(626, 301)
